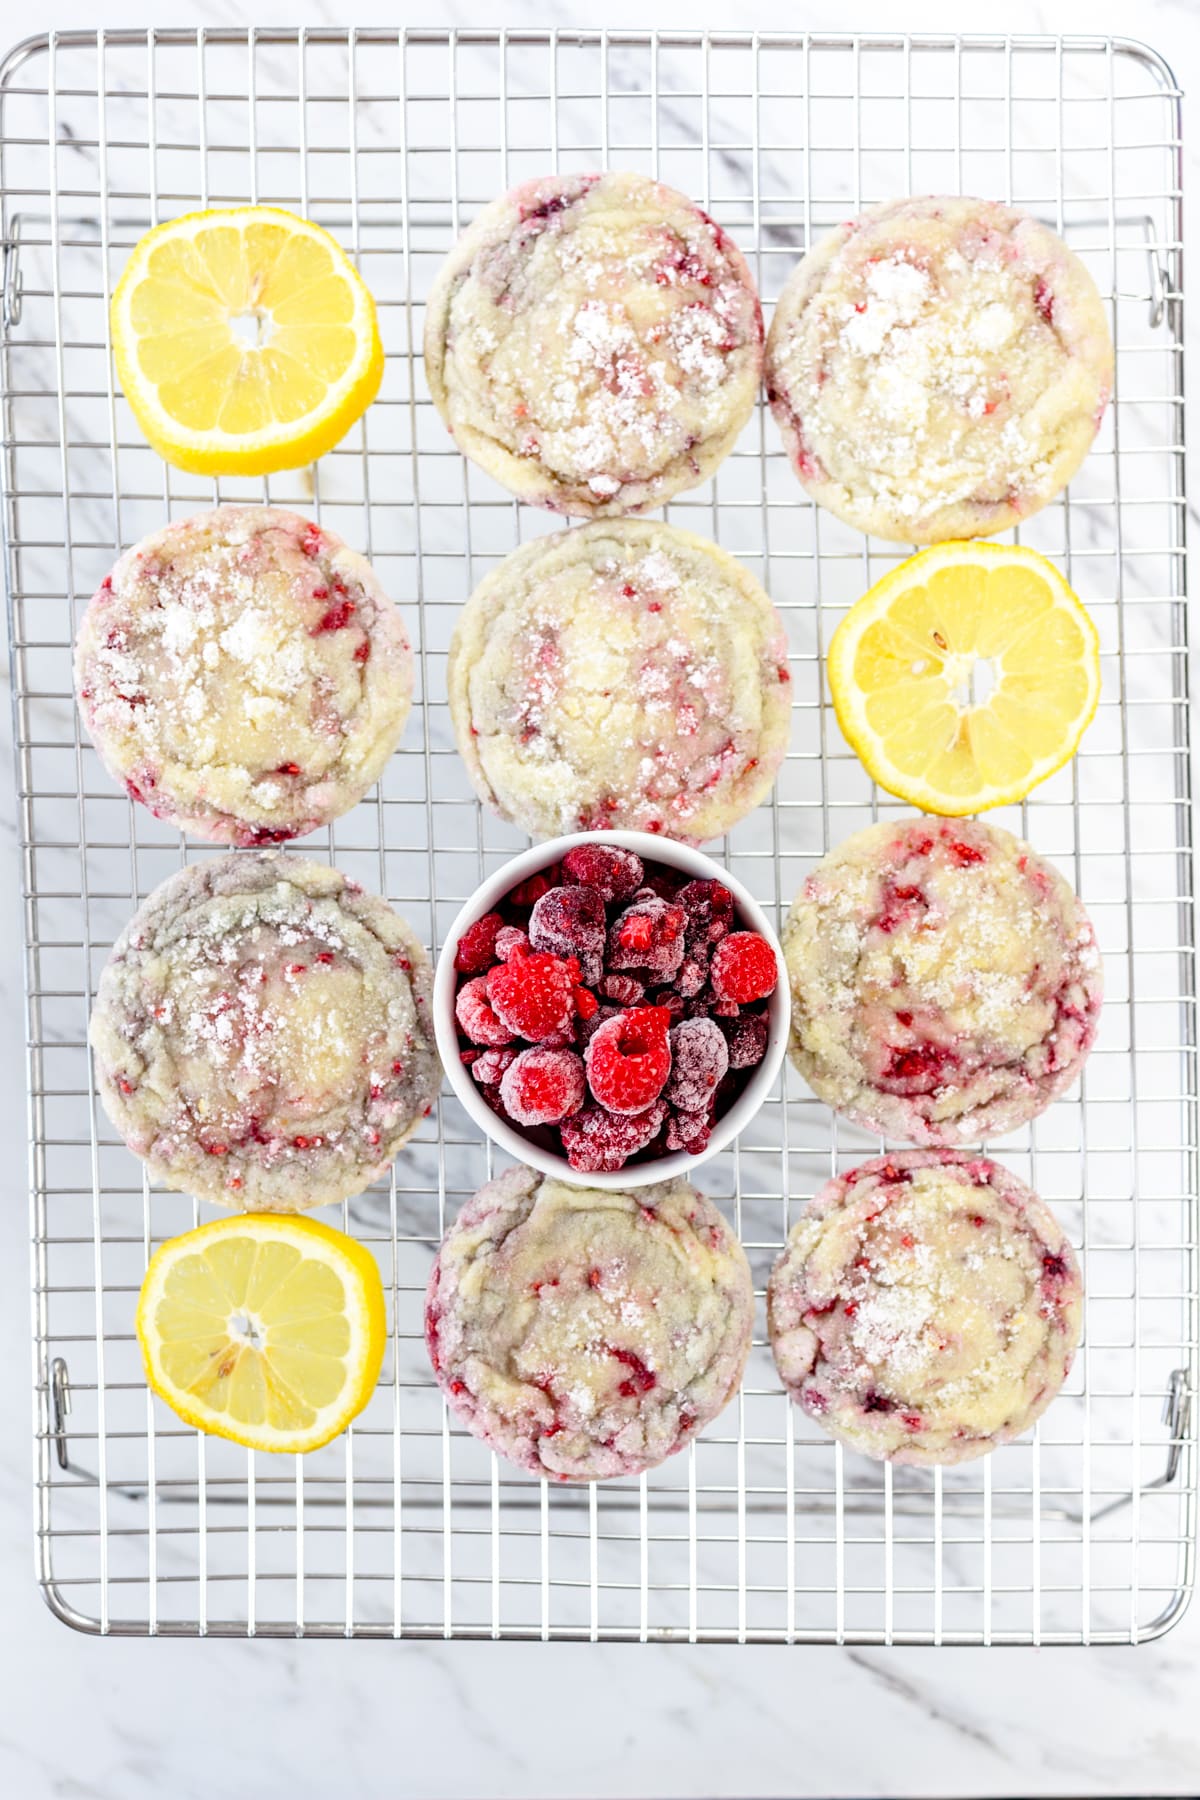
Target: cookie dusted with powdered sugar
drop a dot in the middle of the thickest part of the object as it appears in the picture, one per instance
(624, 675)
(262, 1033)
(594, 342)
(243, 675)
(938, 368)
(586, 1334)
(946, 984)
(925, 1308)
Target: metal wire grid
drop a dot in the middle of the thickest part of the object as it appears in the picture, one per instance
(763, 1530)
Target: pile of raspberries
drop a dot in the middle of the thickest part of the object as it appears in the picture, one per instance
(612, 1005)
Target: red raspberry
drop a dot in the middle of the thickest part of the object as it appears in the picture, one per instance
(709, 909)
(691, 977)
(612, 872)
(475, 1017)
(489, 1066)
(527, 892)
(509, 940)
(595, 1139)
(543, 1087)
(744, 968)
(570, 921)
(623, 989)
(746, 1036)
(476, 948)
(689, 1131)
(629, 1058)
(586, 1003)
(588, 1024)
(674, 1003)
(533, 994)
(648, 935)
(699, 1059)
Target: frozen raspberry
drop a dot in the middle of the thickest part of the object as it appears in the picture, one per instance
(570, 921)
(629, 1058)
(475, 1017)
(648, 935)
(744, 968)
(528, 892)
(746, 1036)
(543, 1087)
(613, 873)
(709, 909)
(489, 1066)
(587, 1025)
(691, 977)
(663, 882)
(689, 1131)
(674, 1003)
(511, 940)
(595, 1139)
(533, 994)
(586, 1003)
(476, 949)
(699, 1059)
(623, 989)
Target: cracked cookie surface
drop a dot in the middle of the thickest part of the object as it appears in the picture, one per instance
(946, 983)
(938, 368)
(587, 1334)
(623, 675)
(243, 674)
(262, 1033)
(594, 342)
(925, 1308)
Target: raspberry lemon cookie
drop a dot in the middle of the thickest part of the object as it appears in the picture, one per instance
(938, 368)
(594, 342)
(262, 1033)
(243, 675)
(585, 1334)
(623, 675)
(946, 983)
(925, 1308)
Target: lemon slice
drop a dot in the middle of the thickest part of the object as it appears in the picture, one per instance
(263, 1328)
(245, 341)
(966, 676)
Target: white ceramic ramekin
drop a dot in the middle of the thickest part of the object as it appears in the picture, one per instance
(749, 916)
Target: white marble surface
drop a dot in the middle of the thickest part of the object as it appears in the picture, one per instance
(89, 1720)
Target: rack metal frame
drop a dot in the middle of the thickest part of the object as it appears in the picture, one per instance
(764, 1530)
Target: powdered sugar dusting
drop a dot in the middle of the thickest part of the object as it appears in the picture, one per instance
(605, 333)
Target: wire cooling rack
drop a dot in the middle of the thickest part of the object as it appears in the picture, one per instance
(764, 1530)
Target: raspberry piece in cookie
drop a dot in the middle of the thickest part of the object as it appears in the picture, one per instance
(744, 968)
(613, 872)
(629, 1058)
(570, 921)
(542, 1087)
(534, 995)
(587, 1335)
